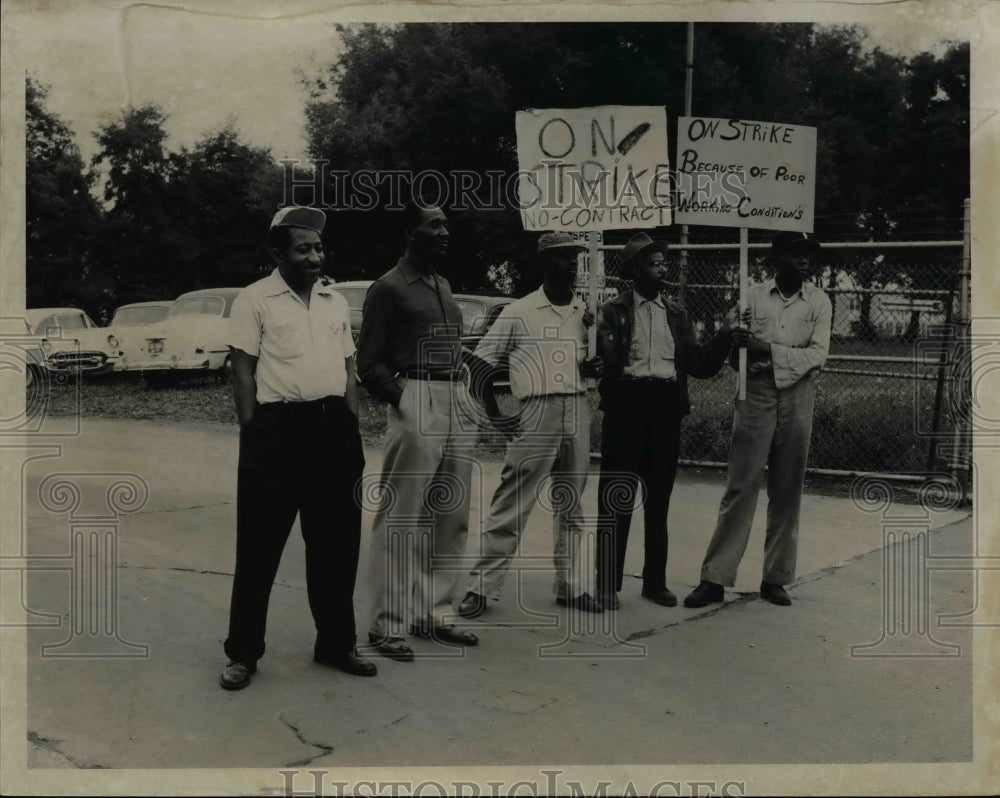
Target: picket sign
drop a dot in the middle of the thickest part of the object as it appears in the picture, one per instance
(585, 170)
(739, 173)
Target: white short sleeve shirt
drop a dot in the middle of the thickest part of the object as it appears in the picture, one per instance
(542, 343)
(300, 351)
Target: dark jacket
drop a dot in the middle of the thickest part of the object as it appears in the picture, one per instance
(614, 338)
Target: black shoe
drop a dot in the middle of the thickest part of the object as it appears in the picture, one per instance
(775, 594)
(237, 674)
(348, 662)
(446, 634)
(609, 601)
(391, 647)
(662, 597)
(706, 593)
(584, 602)
(472, 606)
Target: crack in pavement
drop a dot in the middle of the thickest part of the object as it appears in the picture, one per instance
(323, 747)
(743, 598)
(385, 726)
(174, 568)
(33, 519)
(815, 576)
(182, 509)
(50, 744)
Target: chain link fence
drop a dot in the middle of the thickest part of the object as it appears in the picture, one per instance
(890, 399)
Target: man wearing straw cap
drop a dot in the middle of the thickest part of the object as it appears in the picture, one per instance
(300, 448)
(787, 343)
(543, 339)
(649, 348)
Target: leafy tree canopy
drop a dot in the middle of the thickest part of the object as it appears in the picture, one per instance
(893, 132)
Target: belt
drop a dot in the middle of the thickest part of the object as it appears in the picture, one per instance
(433, 376)
(648, 381)
(295, 406)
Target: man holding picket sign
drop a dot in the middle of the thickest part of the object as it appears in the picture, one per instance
(649, 347)
(771, 186)
(787, 342)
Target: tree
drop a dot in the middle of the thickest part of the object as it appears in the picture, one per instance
(232, 190)
(62, 216)
(443, 97)
(182, 220)
(146, 242)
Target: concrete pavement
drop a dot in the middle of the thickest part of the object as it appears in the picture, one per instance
(746, 682)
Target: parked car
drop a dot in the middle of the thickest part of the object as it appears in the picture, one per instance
(192, 338)
(354, 292)
(125, 333)
(479, 311)
(68, 342)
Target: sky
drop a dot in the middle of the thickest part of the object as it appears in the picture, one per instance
(203, 70)
(206, 69)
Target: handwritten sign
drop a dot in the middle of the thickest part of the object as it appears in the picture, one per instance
(601, 168)
(736, 173)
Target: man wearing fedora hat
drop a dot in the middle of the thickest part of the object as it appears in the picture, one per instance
(543, 339)
(649, 348)
(300, 448)
(787, 344)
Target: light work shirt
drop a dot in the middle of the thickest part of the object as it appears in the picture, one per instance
(798, 329)
(300, 351)
(543, 345)
(651, 353)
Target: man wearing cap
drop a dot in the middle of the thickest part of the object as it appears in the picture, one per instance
(542, 338)
(787, 344)
(649, 348)
(300, 448)
(408, 356)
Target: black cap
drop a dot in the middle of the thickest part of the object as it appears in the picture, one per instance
(790, 241)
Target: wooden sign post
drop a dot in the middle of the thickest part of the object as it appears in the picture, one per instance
(593, 287)
(744, 288)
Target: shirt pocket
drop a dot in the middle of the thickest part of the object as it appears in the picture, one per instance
(335, 336)
(761, 324)
(287, 340)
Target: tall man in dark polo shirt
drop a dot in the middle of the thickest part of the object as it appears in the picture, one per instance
(300, 448)
(408, 356)
(649, 348)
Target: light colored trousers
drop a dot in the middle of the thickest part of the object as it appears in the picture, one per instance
(420, 529)
(553, 441)
(771, 427)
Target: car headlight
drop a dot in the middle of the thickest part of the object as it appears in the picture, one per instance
(113, 341)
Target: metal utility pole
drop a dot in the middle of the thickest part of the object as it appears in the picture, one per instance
(688, 82)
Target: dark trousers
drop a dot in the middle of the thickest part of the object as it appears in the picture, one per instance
(640, 440)
(304, 458)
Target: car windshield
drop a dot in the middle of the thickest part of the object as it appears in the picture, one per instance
(145, 314)
(61, 321)
(355, 296)
(199, 306)
(473, 312)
